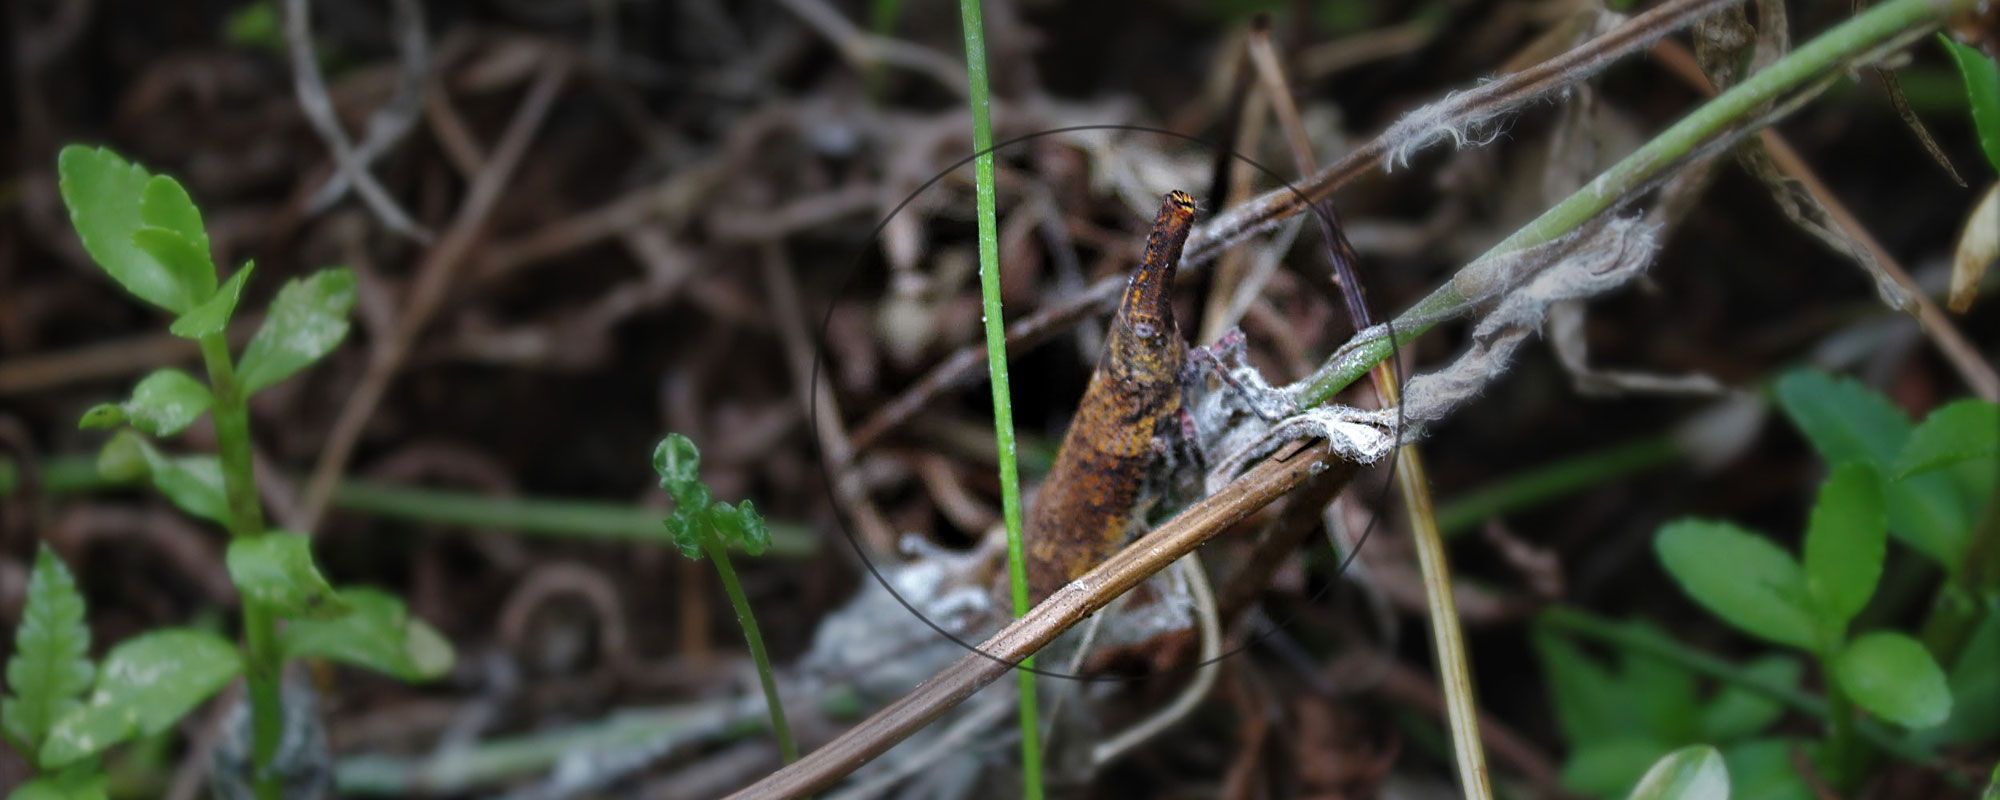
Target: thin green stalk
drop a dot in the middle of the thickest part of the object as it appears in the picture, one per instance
(262, 664)
(554, 517)
(1957, 609)
(1533, 487)
(719, 554)
(996, 364)
(1870, 29)
(1843, 750)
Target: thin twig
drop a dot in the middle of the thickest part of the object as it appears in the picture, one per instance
(348, 160)
(434, 277)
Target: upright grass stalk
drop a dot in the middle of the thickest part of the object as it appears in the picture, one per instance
(263, 666)
(996, 364)
(1851, 39)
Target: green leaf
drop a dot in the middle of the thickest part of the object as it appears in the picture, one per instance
(194, 483)
(146, 685)
(1893, 676)
(166, 402)
(1961, 431)
(212, 316)
(1736, 712)
(1982, 92)
(1845, 421)
(1660, 693)
(165, 205)
(51, 665)
(103, 194)
(1762, 769)
(76, 783)
(188, 261)
(687, 529)
(123, 457)
(1845, 543)
(678, 462)
(1609, 767)
(376, 633)
(1587, 699)
(1975, 688)
(102, 417)
(1690, 773)
(307, 320)
(740, 527)
(277, 569)
(1740, 577)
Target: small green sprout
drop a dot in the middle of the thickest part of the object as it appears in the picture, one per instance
(702, 526)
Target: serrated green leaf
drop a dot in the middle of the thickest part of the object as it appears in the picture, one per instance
(1609, 767)
(376, 633)
(1741, 577)
(678, 463)
(1690, 773)
(1982, 93)
(103, 193)
(1762, 769)
(1894, 677)
(1846, 541)
(1845, 421)
(277, 569)
(212, 316)
(146, 685)
(1736, 712)
(307, 320)
(102, 417)
(51, 666)
(166, 402)
(1961, 431)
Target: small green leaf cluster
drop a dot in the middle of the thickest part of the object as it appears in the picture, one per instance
(699, 521)
(145, 232)
(1924, 485)
(1622, 715)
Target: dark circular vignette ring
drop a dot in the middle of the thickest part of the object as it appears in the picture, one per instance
(813, 411)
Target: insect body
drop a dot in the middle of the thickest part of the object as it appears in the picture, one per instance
(1084, 510)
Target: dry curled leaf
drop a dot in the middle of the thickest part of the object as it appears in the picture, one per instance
(1978, 245)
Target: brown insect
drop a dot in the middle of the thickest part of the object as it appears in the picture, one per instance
(1084, 511)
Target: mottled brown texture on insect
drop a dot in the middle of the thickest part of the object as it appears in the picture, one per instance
(1083, 512)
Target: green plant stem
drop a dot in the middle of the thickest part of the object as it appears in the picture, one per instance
(262, 665)
(554, 517)
(1529, 488)
(1843, 750)
(1867, 30)
(1591, 626)
(980, 102)
(753, 637)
